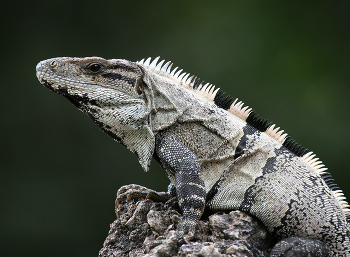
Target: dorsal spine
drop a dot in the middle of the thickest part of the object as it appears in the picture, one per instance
(235, 107)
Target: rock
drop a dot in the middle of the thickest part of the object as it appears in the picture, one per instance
(148, 228)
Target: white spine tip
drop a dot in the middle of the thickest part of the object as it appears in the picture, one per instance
(165, 66)
(193, 79)
(181, 76)
(215, 92)
(159, 66)
(147, 62)
(177, 74)
(169, 68)
(188, 81)
(205, 87)
(154, 63)
(185, 78)
(211, 90)
(173, 72)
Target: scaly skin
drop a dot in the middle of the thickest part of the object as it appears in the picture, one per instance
(218, 154)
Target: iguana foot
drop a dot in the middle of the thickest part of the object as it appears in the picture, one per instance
(135, 191)
(297, 246)
(186, 230)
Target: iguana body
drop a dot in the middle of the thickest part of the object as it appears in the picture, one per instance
(217, 154)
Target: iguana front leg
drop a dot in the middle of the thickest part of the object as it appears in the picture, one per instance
(182, 167)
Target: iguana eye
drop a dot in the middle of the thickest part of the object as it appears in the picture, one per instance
(53, 64)
(94, 67)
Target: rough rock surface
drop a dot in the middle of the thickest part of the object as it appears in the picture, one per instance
(147, 228)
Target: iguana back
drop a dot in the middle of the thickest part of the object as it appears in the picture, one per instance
(218, 154)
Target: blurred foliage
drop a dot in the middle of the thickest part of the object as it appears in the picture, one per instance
(289, 60)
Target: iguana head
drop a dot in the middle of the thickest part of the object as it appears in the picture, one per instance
(110, 92)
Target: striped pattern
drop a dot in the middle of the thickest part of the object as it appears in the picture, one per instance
(237, 108)
(190, 189)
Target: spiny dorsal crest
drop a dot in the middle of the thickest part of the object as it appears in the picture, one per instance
(320, 168)
(237, 108)
(217, 96)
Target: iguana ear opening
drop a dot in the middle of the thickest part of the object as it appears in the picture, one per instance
(138, 87)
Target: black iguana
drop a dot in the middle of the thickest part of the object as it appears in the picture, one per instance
(217, 153)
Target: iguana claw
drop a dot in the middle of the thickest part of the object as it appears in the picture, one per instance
(128, 192)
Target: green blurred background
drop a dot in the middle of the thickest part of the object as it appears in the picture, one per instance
(289, 60)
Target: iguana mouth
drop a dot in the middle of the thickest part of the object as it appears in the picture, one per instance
(62, 90)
